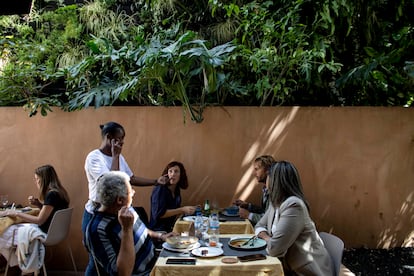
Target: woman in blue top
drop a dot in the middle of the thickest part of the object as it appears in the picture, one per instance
(166, 199)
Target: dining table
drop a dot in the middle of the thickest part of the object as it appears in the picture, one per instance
(6, 221)
(228, 225)
(218, 265)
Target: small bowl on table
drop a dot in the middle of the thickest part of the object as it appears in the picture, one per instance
(232, 210)
(181, 242)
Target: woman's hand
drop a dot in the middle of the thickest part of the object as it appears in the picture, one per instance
(163, 180)
(116, 147)
(10, 213)
(188, 210)
(164, 236)
(34, 202)
(263, 235)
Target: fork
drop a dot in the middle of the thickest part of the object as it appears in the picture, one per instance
(249, 240)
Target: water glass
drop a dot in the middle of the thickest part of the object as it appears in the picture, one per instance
(204, 229)
(4, 199)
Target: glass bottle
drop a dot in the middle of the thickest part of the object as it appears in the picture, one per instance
(207, 208)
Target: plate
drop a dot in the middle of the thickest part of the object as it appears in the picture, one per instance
(192, 218)
(25, 209)
(237, 244)
(230, 215)
(166, 246)
(211, 252)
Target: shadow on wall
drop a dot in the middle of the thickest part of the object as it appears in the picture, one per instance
(392, 236)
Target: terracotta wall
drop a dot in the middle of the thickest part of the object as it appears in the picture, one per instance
(356, 164)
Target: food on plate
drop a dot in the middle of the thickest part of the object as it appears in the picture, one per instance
(238, 242)
(181, 241)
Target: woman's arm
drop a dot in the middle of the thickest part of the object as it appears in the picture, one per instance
(261, 225)
(161, 236)
(44, 213)
(287, 229)
(141, 181)
(185, 210)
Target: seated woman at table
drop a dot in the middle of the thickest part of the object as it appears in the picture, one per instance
(287, 227)
(166, 199)
(53, 197)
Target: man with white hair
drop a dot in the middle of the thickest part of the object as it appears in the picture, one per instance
(116, 237)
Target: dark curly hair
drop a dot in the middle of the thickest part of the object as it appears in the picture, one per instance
(183, 182)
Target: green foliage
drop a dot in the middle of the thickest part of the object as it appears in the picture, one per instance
(167, 70)
(216, 52)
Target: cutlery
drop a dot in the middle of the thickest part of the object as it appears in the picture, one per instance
(249, 240)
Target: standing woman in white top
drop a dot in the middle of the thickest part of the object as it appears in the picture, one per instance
(107, 158)
(287, 227)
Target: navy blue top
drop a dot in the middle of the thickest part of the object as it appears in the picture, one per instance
(161, 200)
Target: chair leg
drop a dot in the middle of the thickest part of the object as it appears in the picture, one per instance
(7, 269)
(8, 265)
(13, 247)
(44, 270)
(73, 260)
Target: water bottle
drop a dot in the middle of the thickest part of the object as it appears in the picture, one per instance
(198, 224)
(214, 230)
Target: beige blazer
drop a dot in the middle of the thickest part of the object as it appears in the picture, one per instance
(294, 237)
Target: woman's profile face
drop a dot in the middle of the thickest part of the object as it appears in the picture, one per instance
(174, 174)
(37, 181)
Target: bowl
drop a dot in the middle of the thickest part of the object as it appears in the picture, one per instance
(181, 242)
(232, 210)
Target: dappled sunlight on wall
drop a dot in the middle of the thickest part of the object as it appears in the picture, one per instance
(397, 233)
(356, 164)
(269, 140)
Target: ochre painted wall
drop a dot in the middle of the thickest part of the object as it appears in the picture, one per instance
(356, 164)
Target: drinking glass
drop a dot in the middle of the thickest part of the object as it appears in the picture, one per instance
(204, 229)
(4, 200)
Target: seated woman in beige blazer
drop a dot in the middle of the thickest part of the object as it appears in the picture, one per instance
(287, 227)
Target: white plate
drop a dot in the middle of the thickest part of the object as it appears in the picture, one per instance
(192, 218)
(211, 252)
(230, 215)
(181, 250)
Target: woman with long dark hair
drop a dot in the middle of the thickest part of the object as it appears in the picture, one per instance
(166, 199)
(287, 227)
(52, 197)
